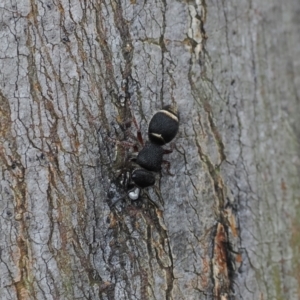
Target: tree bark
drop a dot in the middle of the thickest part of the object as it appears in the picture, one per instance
(74, 75)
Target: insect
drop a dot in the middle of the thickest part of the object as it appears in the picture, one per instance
(162, 129)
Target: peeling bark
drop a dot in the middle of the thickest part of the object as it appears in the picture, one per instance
(74, 76)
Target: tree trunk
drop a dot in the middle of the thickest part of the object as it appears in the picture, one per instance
(74, 75)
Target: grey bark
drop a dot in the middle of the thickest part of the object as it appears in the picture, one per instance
(226, 226)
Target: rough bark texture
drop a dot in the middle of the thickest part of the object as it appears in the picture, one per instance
(72, 74)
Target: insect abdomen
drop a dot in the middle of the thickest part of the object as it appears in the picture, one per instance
(163, 127)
